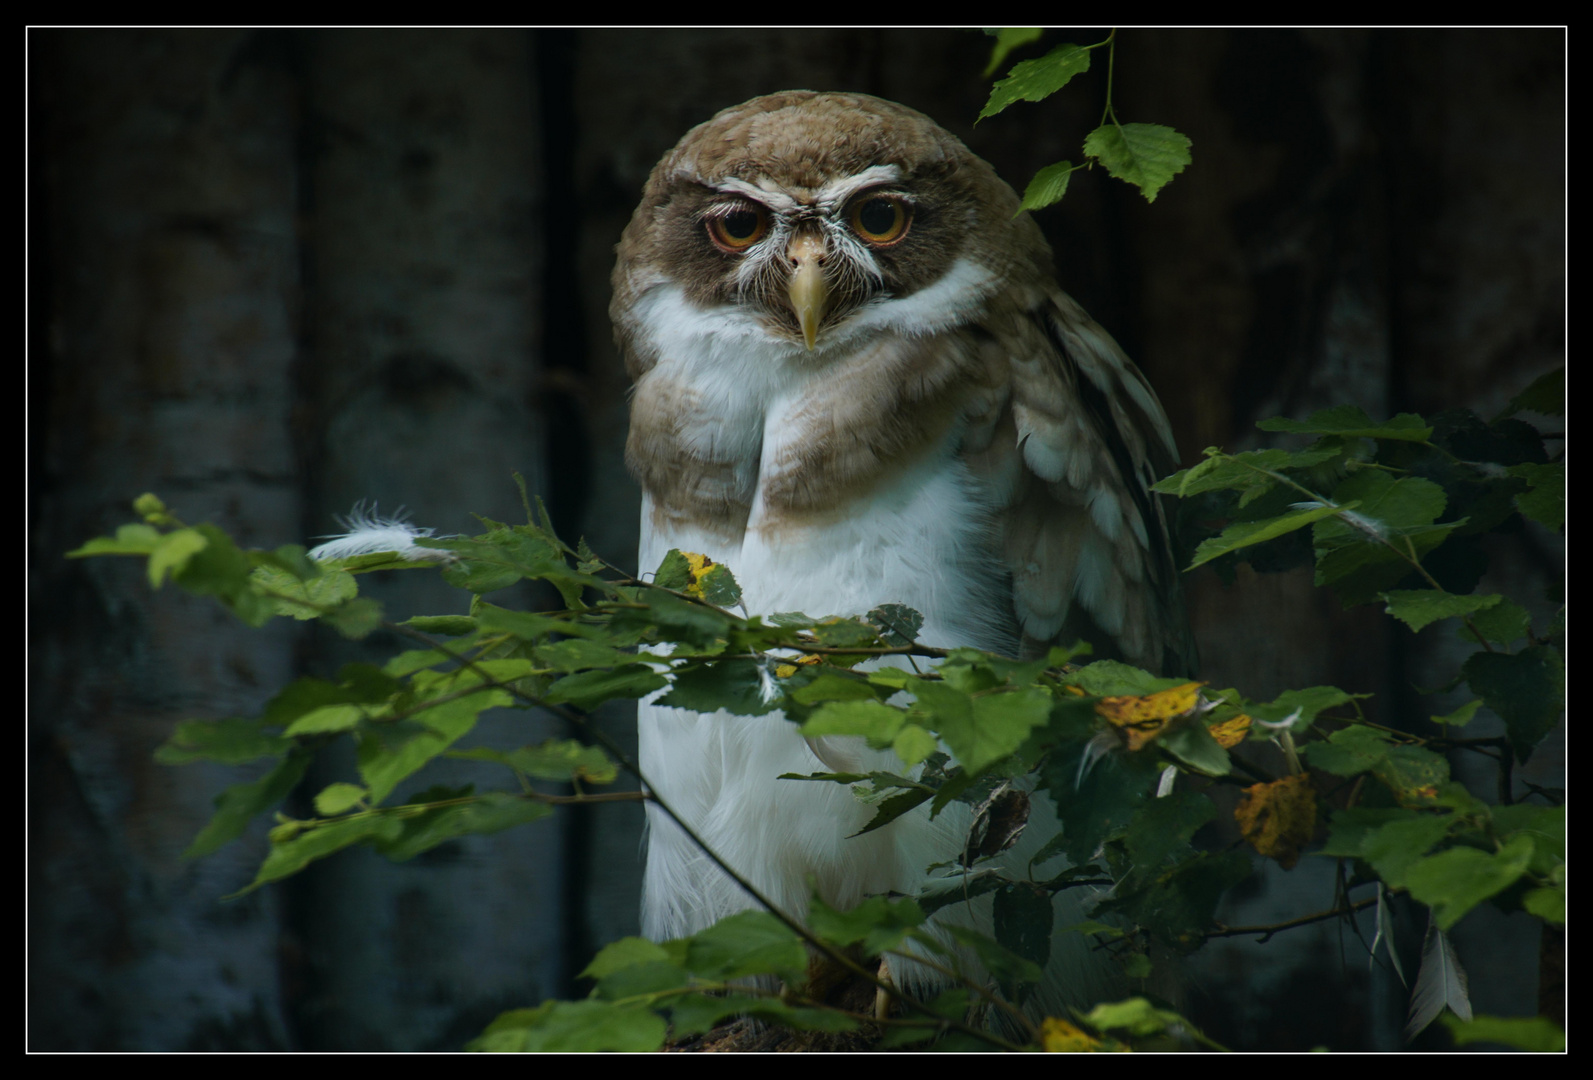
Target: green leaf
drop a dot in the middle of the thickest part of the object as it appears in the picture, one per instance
(1145, 155)
(1178, 906)
(1349, 829)
(1384, 505)
(531, 627)
(231, 742)
(337, 798)
(1547, 904)
(1136, 1015)
(489, 813)
(289, 856)
(237, 805)
(1036, 80)
(1245, 534)
(675, 619)
(1192, 744)
(874, 720)
(751, 943)
(1544, 501)
(734, 685)
(659, 977)
(575, 1027)
(898, 624)
(305, 599)
(1048, 186)
(1394, 845)
(1113, 678)
(983, 728)
(129, 540)
(388, 754)
(674, 572)
(354, 619)
(445, 625)
(878, 923)
(1304, 705)
(1536, 1034)
(1455, 881)
(556, 759)
(845, 633)
(323, 721)
(1097, 805)
(622, 954)
(1526, 689)
(718, 586)
(1504, 623)
(1023, 916)
(172, 554)
(1350, 421)
(579, 654)
(1460, 717)
(1249, 472)
(589, 689)
(1412, 773)
(914, 744)
(220, 570)
(1007, 39)
(895, 806)
(502, 557)
(1417, 608)
(413, 660)
(1546, 395)
(1159, 834)
(832, 687)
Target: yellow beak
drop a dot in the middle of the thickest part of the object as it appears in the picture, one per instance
(809, 293)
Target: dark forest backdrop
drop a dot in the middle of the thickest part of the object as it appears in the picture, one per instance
(276, 272)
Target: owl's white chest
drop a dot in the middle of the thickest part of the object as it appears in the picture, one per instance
(916, 533)
(920, 536)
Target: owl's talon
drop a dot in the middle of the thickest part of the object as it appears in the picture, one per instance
(882, 997)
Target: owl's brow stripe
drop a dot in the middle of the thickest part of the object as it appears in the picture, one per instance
(831, 195)
(772, 198)
(838, 191)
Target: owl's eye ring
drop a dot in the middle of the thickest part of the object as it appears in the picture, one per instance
(738, 226)
(881, 220)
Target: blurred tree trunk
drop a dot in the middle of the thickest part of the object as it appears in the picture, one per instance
(167, 183)
(423, 268)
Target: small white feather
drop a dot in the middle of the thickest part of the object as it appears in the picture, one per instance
(370, 532)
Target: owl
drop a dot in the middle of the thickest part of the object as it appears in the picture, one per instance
(857, 383)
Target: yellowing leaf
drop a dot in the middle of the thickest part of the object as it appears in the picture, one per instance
(710, 581)
(785, 671)
(1231, 732)
(1141, 719)
(1057, 1036)
(1278, 818)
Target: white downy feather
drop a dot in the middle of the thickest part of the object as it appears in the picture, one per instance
(370, 532)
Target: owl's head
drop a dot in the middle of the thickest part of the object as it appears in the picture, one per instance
(808, 218)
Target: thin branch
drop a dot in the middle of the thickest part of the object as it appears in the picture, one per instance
(1266, 932)
(583, 724)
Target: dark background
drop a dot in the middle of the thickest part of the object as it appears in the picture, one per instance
(276, 272)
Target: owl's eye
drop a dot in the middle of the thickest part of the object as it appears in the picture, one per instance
(738, 228)
(881, 219)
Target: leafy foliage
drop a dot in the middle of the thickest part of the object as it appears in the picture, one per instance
(1381, 504)
(1147, 156)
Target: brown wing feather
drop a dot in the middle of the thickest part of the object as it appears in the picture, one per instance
(1072, 459)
